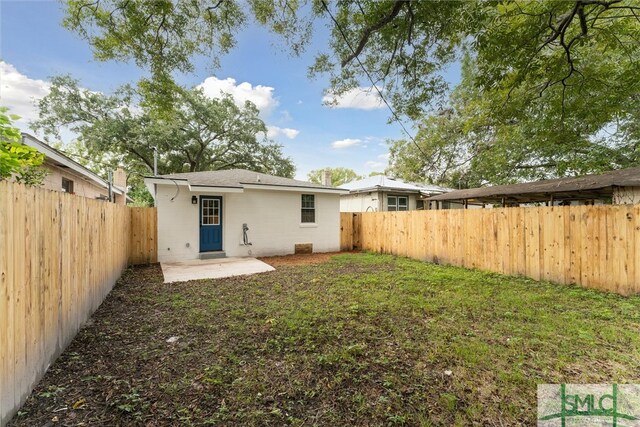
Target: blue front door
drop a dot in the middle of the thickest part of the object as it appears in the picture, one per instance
(210, 223)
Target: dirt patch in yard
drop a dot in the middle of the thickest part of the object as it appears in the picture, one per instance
(299, 259)
(358, 340)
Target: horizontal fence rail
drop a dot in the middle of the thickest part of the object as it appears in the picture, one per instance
(594, 246)
(60, 255)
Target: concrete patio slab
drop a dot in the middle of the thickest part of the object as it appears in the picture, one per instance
(212, 269)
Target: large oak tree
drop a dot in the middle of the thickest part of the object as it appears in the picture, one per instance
(551, 73)
(200, 133)
(197, 134)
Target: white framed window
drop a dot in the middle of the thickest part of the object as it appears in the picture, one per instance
(210, 211)
(397, 203)
(308, 212)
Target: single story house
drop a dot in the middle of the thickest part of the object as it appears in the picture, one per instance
(380, 193)
(67, 175)
(242, 213)
(617, 187)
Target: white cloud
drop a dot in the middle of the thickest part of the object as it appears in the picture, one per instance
(376, 166)
(260, 95)
(19, 92)
(362, 98)
(274, 131)
(384, 156)
(347, 142)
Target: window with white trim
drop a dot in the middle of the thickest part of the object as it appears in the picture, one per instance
(308, 213)
(397, 203)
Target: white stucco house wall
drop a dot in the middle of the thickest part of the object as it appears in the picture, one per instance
(203, 214)
(380, 193)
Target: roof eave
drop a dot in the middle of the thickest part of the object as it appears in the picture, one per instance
(54, 155)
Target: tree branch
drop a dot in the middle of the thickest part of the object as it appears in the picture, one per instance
(372, 29)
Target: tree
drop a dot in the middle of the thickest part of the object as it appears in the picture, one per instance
(523, 47)
(552, 76)
(197, 134)
(164, 35)
(473, 142)
(17, 160)
(200, 133)
(339, 176)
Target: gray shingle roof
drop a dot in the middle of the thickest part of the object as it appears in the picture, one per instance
(237, 177)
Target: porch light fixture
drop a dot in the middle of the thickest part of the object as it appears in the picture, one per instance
(194, 200)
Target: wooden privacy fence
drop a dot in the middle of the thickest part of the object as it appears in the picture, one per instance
(60, 255)
(143, 248)
(595, 246)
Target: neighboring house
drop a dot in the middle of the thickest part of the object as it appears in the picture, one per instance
(618, 187)
(380, 193)
(65, 174)
(242, 213)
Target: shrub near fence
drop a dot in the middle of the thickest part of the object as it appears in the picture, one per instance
(60, 255)
(595, 246)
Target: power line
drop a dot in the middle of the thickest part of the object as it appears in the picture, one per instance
(366, 72)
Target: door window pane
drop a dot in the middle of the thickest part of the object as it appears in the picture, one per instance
(215, 212)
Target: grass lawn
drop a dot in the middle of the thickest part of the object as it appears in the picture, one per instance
(361, 340)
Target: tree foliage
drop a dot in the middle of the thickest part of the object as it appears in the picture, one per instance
(522, 47)
(554, 88)
(200, 133)
(165, 36)
(18, 161)
(474, 142)
(339, 176)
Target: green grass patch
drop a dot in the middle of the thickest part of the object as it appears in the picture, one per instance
(364, 339)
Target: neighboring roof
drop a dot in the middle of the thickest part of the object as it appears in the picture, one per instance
(57, 158)
(583, 187)
(240, 178)
(384, 183)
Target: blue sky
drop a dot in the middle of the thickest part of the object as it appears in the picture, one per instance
(34, 47)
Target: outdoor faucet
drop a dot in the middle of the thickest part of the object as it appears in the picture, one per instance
(245, 238)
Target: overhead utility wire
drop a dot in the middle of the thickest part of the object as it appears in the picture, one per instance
(366, 72)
